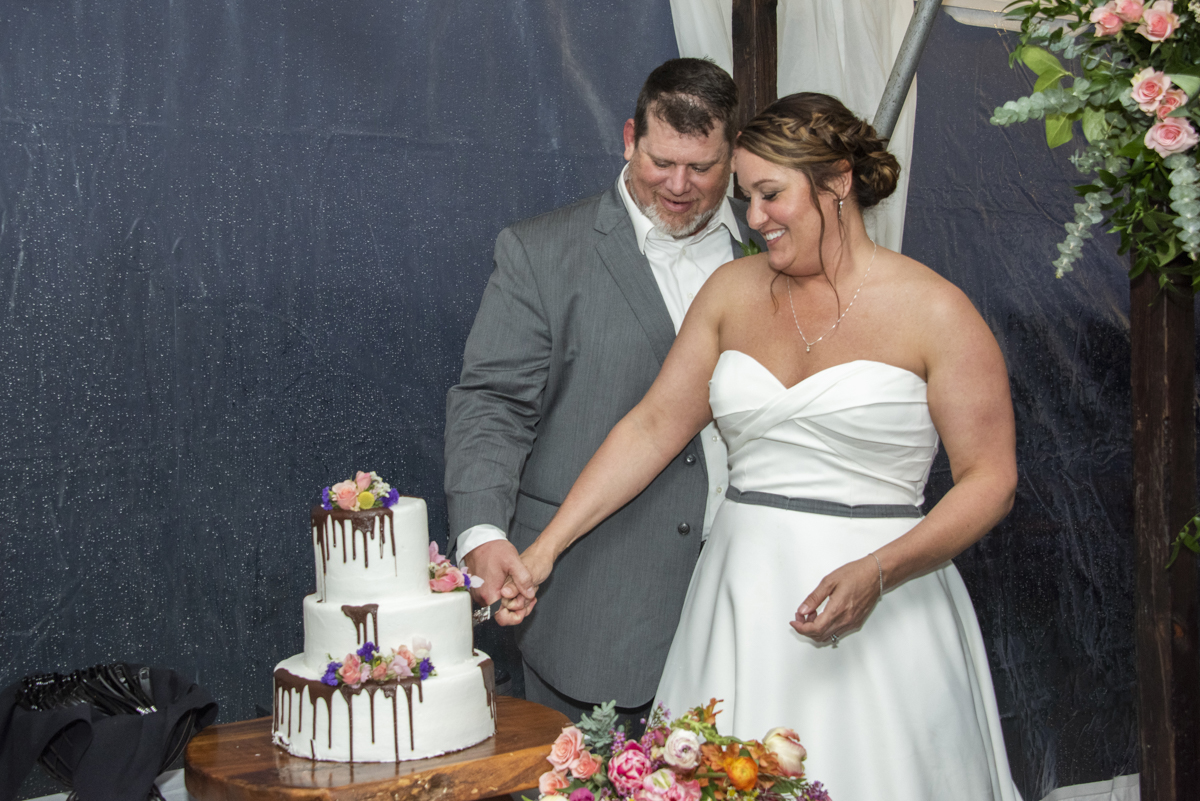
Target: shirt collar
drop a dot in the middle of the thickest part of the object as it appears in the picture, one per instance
(642, 225)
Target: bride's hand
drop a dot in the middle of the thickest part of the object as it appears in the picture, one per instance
(852, 592)
(539, 561)
(516, 606)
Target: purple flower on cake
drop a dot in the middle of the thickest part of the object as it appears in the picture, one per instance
(331, 674)
(367, 652)
(326, 504)
(392, 499)
(427, 669)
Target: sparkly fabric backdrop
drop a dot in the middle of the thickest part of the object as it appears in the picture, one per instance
(240, 251)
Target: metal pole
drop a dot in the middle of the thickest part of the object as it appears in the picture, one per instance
(905, 67)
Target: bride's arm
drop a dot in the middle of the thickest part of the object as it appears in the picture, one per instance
(674, 409)
(971, 407)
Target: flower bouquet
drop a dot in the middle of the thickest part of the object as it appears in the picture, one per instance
(1135, 102)
(364, 491)
(675, 760)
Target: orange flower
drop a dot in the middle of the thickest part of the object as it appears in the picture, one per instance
(742, 772)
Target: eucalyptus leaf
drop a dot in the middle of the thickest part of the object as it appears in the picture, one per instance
(1095, 127)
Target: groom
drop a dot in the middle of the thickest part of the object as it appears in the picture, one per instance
(574, 324)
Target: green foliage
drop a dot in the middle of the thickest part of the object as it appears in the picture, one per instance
(598, 727)
(1188, 537)
(1150, 198)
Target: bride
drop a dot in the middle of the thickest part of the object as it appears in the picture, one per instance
(823, 600)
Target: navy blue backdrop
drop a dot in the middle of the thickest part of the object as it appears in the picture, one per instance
(242, 243)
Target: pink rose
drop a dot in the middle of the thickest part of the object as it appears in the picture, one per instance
(407, 656)
(582, 794)
(1159, 21)
(362, 480)
(585, 766)
(1149, 86)
(379, 672)
(1128, 10)
(552, 781)
(566, 748)
(1172, 135)
(1106, 20)
(628, 768)
(1171, 100)
(346, 495)
(351, 671)
(785, 745)
(682, 749)
(447, 581)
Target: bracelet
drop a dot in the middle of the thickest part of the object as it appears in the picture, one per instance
(880, 566)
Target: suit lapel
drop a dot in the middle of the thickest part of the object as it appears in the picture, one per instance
(617, 248)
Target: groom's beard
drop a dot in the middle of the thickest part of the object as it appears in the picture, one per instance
(677, 228)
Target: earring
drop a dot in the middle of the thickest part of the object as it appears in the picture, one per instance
(840, 210)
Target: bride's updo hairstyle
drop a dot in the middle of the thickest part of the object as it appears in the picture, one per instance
(815, 134)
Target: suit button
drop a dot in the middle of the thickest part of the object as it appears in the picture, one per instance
(684, 528)
(690, 458)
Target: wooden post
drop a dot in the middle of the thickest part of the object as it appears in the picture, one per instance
(755, 64)
(1163, 374)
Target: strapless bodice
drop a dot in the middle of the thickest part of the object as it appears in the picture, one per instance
(856, 433)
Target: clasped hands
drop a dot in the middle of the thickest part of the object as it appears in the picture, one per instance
(508, 577)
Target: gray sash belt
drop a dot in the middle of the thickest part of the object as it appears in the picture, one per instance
(817, 507)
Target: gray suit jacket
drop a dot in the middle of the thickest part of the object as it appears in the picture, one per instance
(571, 332)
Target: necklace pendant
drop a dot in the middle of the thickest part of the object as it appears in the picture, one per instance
(807, 348)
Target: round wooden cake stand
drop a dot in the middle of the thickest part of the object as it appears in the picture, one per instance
(238, 762)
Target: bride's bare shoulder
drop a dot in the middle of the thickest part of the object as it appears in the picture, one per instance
(926, 294)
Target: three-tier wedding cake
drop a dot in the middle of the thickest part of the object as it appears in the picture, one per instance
(388, 671)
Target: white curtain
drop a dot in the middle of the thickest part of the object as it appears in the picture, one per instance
(845, 48)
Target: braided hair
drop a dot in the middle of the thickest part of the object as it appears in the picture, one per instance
(816, 135)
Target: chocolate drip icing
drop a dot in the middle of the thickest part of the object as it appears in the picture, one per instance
(358, 615)
(326, 524)
(489, 683)
(286, 683)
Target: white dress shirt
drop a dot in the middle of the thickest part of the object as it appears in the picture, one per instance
(680, 267)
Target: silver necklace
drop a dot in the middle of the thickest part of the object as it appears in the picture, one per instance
(808, 345)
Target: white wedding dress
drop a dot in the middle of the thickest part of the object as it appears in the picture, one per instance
(902, 709)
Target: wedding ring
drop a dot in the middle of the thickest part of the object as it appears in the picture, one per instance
(833, 638)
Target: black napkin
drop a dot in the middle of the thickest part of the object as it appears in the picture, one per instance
(108, 757)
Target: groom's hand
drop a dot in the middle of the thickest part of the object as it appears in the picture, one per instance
(504, 574)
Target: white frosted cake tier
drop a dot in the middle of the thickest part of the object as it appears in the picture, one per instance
(379, 553)
(332, 630)
(387, 722)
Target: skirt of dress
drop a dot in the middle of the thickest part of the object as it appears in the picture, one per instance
(903, 709)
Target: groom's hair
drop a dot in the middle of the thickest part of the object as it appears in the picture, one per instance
(691, 95)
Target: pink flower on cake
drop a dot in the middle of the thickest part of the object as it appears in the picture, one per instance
(584, 767)
(1149, 86)
(789, 753)
(345, 493)
(1159, 21)
(362, 480)
(628, 768)
(435, 557)
(421, 647)
(1128, 10)
(1171, 100)
(566, 748)
(398, 668)
(682, 749)
(1172, 135)
(552, 781)
(351, 671)
(405, 655)
(449, 579)
(1106, 20)
(380, 671)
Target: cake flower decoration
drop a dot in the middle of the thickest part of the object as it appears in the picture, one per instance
(445, 577)
(364, 491)
(369, 665)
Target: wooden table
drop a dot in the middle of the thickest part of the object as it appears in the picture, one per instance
(238, 762)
